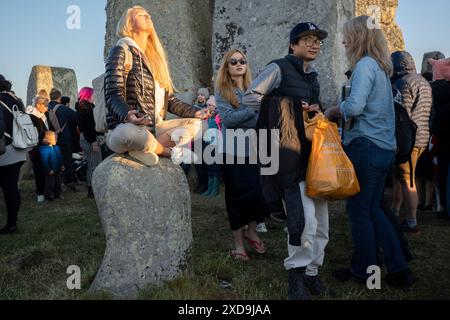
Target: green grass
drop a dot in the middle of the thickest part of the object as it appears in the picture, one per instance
(67, 232)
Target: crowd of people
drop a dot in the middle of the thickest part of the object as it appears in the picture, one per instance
(139, 96)
(62, 133)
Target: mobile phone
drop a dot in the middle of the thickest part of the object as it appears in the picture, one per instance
(346, 90)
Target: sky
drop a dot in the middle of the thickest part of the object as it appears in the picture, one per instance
(37, 34)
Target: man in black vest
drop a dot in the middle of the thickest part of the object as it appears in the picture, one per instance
(281, 93)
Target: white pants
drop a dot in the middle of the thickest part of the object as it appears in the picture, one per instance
(314, 237)
(127, 136)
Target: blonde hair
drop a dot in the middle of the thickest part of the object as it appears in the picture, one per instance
(154, 52)
(362, 41)
(224, 82)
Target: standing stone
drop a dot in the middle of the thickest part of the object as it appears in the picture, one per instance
(184, 28)
(387, 12)
(45, 77)
(146, 216)
(427, 69)
(261, 29)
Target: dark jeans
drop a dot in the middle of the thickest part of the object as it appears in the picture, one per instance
(443, 173)
(38, 171)
(68, 175)
(370, 227)
(53, 186)
(8, 182)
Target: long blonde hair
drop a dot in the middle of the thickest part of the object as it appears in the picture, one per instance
(154, 52)
(224, 82)
(363, 40)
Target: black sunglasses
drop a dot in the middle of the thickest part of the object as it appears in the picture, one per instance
(234, 62)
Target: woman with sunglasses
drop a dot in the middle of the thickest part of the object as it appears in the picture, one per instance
(243, 196)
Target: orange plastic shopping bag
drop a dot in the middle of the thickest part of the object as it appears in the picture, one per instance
(330, 174)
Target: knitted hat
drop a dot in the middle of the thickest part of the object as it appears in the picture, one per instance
(211, 101)
(203, 92)
(441, 69)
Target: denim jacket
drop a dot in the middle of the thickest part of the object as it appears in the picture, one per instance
(370, 106)
(241, 117)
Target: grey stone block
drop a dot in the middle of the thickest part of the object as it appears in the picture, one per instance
(146, 216)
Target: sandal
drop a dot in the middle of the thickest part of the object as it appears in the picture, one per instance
(239, 256)
(257, 245)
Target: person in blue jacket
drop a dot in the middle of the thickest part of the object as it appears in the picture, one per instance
(52, 162)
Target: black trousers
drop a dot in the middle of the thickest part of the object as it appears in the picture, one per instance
(9, 178)
(53, 186)
(68, 175)
(243, 195)
(38, 172)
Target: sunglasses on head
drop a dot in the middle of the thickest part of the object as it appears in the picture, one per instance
(234, 62)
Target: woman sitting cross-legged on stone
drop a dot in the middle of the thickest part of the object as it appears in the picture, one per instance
(243, 195)
(139, 93)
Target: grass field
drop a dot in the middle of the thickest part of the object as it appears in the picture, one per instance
(67, 232)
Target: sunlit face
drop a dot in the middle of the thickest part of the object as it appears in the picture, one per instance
(141, 21)
(50, 138)
(41, 107)
(307, 48)
(237, 65)
(201, 99)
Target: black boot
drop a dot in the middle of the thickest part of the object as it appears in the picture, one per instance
(316, 287)
(201, 188)
(401, 279)
(344, 275)
(8, 230)
(90, 193)
(296, 285)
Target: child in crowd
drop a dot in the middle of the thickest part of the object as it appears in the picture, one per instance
(51, 158)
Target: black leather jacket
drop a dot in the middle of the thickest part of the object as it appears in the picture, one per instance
(121, 97)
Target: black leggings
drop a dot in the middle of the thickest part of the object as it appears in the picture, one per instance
(9, 178)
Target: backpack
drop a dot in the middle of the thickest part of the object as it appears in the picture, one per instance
(405, 132)
(24, 133)
(54, 120)
(98, 84)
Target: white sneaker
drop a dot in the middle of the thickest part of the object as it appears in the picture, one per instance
(285, 229)
(177, 155)
(148, 158)
(40, 199)
(181, 155)
(261, 227)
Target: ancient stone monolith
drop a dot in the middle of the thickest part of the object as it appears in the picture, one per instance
(45, 77)
(261, 29)
(146, 217)
(385, 11)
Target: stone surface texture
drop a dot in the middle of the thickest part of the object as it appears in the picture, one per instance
(261, 29)
(146, 217)
(388, 10)
(46, 77)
